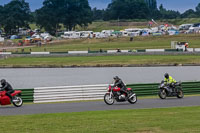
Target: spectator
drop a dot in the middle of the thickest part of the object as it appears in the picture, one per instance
(131, 37)
(118, 50)
(186, 46)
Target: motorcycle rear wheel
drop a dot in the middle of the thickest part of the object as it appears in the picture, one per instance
(109, 100)
(17, 101)
(180, 94)
(162, 94)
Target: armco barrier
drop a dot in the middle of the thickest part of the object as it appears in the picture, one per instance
(77, 52)
(40, 53)
(69, 93)
(152, 89)
(27, 94)
(155, 50)
(5, 53)
(190, 50)
(96, 92)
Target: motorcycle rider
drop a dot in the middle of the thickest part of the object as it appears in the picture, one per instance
(169, 81)
(8, 88)
(119, 83)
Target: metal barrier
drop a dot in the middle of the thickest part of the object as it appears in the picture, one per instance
(152, 89)
(27, 94)
(69, 93)
(94, 92)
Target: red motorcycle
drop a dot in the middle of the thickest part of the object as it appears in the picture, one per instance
(114, 94)
(5, 100)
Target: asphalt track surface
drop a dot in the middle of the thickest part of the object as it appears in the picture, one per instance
(98, 106)
(49, 77)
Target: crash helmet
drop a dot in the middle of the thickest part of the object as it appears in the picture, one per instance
(3, 81)
(116, 78)
(166, 75)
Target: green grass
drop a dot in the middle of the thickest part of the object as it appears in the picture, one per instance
(180, 21)
(122, 60)
(151, 42)
(98, 26)
(101, 25)
(165, 120)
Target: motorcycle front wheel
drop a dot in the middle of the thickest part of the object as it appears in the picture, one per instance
(17, 101)
(109, 100)
(180, 94)
(162, 94)
(132, 99)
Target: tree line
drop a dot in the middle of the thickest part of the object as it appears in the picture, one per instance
(69, 13)
(140, 9)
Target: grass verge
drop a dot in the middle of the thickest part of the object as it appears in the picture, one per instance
(165, 120)
(119, 60)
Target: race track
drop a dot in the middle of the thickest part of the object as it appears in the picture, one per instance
(24, 78)
(98, 106)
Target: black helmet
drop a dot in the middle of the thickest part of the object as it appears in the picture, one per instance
(116, 78)
(3, 81)
(166, 75)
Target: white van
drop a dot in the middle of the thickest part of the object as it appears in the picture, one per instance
(71, 35)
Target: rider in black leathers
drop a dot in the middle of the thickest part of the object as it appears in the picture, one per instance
(119, 83)
(7, 87)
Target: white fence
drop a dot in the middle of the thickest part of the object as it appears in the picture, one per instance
(155, 50)
(40, 53)
(69, 93)
(5, 53)
(78, 52)
(197, 49)
(190, 49)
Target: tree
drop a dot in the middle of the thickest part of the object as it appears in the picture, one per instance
(189, 14)
(16, 14)
(168, 14)
(198, 10)
(127, 9)
(1, 16)
(67, 12)
(152, 4)
(49, 16)
(97, 14)
(77, 12)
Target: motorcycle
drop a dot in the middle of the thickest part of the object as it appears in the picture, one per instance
(114, 94)
(5, 100)
(164, 90)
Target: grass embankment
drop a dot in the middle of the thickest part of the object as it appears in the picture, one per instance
(166, 120)
(98, 26)
(151, 42)
(119, 60)
(180, 21)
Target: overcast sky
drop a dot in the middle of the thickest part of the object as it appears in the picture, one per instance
(178, 5)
